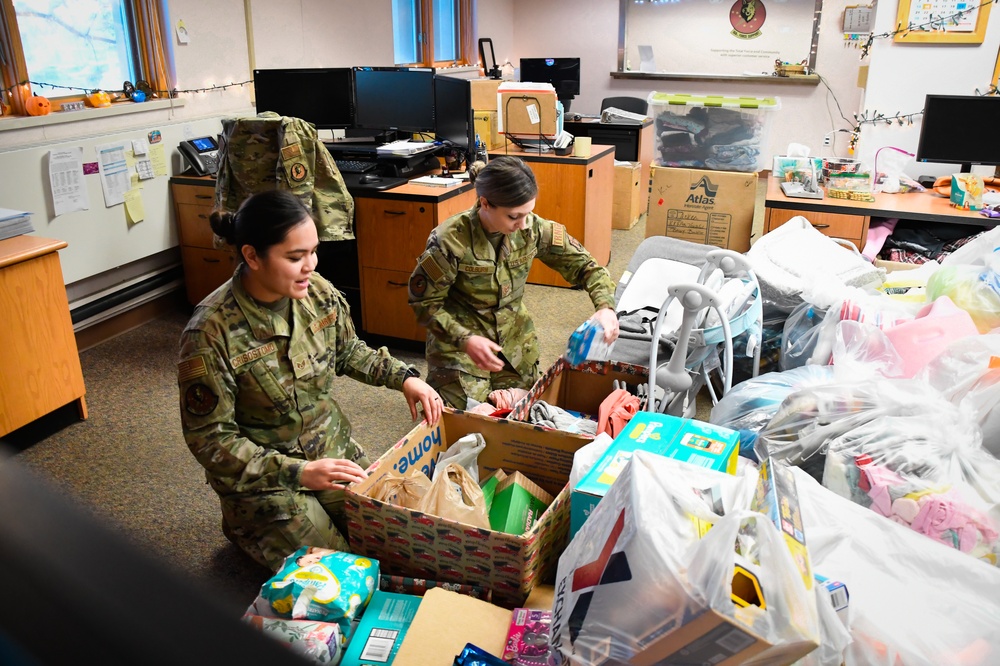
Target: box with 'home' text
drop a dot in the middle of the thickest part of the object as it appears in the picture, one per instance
(708, 207)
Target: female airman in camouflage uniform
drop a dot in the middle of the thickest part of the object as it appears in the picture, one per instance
(257, 363)
(468, 286)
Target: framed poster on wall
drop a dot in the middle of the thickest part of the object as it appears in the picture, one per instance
(942, 21)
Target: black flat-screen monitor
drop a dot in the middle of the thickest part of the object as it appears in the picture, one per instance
(394, 98)
(453, 113)
(562, 73)
(957, 129)
(321, 96)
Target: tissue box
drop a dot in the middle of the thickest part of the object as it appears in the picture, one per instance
(967, 191)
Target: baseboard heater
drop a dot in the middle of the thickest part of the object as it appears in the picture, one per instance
(124, 297)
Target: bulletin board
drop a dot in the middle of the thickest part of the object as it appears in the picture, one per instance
(942, 21)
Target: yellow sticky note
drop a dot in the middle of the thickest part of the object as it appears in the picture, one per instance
(159, 159)
(129, 159)
(134, 181)
(135, 211)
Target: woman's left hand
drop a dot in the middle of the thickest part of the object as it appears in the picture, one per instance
(417, 390)
(607, 318)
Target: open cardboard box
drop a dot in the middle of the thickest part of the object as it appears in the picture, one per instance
(581, 388)
(410, 543)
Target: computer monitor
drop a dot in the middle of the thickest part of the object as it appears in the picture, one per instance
(562, 73)
(394, 98)
(453, 114)
(321, 96)
(960, 129)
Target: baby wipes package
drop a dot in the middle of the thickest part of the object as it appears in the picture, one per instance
(587, 343)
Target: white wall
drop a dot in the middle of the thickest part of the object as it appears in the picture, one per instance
(563, 28)
(495, 19)
(902, 74)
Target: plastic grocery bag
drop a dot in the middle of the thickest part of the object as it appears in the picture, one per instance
(899, 610)
(465, 452)
(456, 495)
(639, 569)
(404, 491)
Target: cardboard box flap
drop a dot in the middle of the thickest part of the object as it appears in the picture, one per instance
(445, 622)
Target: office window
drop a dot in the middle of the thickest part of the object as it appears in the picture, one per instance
(432, 33)
(82, 45)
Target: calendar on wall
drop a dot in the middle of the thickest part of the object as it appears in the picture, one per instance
(943, 21)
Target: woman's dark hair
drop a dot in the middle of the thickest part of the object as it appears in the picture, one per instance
(506, 181)
(262, 221)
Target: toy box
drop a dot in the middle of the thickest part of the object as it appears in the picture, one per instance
(688, 440)
(528, 637)
(777, 498)
(967, 191)
(711, 131)
(381, 630)
(411, 543)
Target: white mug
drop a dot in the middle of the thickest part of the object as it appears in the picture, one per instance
(581, 146)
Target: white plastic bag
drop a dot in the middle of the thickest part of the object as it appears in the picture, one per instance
(587, 455)
(464, 453)
(638, 569)
(900, 612)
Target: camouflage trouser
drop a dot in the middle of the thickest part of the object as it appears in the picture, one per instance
(270, 526)
(457, 388)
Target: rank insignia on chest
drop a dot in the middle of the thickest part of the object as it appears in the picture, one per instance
(504, 289)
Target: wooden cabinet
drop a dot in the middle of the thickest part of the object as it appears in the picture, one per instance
(392, 229)
(847, 226)
(576, 192)
(41, 366)
(205, 266)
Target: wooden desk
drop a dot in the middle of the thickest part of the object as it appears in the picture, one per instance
(632, 142)
(841, 218)
(576, 192)
(41, 366)
(392, 227)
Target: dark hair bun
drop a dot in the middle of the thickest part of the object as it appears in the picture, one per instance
(474, 170)
(223, 223)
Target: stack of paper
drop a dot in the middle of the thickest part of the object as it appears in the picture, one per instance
(614, 115)
(436, 181)
(14, 223)
(405, 147)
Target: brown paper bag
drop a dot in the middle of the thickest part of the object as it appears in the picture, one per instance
(404, 491)
(455, 495)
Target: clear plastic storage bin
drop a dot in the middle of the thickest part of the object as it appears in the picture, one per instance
(712, 132)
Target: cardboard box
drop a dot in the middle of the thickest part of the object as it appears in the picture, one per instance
(580, 388)
(688, 440)
(527, 112)
(517, 503)
(778, 499)
(709, 207)
(446, 622)
(411, 543)
(382, 628)
(486, 128)
(626, 202)
(484, 94)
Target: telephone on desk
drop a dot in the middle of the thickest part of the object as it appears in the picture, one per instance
(201, 154)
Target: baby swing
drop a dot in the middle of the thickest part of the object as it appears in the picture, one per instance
(690, 301)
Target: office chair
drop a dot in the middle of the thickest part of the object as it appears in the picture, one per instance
(630, 104)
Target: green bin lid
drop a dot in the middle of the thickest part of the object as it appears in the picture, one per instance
(768, 103)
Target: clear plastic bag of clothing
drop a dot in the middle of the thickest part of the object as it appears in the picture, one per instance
(975, 289)
(801, 338)
(660, 550)
(911, 601)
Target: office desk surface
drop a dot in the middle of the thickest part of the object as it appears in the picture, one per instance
(918, 206)
(596, 153)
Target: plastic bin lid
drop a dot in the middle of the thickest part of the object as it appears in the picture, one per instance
(766, 103)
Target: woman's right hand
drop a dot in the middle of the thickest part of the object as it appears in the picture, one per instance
(331, 474)
(483, 352)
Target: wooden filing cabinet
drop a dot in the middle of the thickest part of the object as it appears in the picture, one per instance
(853, 228)
(41, 366)
(392, 229)
(205, 266)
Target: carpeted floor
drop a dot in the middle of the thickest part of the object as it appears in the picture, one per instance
(129, 466)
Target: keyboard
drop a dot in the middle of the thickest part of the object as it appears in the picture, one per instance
(355, 166)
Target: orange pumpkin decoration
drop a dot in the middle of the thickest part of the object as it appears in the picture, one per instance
(38, 106)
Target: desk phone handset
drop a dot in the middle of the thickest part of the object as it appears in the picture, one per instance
(202, 155)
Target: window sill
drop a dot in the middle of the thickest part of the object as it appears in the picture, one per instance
(59, 117)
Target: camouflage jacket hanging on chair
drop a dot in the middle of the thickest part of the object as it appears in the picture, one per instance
(269, 152)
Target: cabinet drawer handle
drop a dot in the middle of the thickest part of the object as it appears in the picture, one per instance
(396, 284)
(821, 226)
(211, 261)
(204, 196)
(203, 216)
(395, 212)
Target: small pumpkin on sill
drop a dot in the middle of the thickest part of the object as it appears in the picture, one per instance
(36, 105)
(98, 99)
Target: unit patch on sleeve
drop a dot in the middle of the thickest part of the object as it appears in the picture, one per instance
(200, 400)
(418, 284)
(298, 172)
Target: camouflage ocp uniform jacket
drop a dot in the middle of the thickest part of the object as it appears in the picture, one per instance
(270, 152)
(255, 390)
(462, 287)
